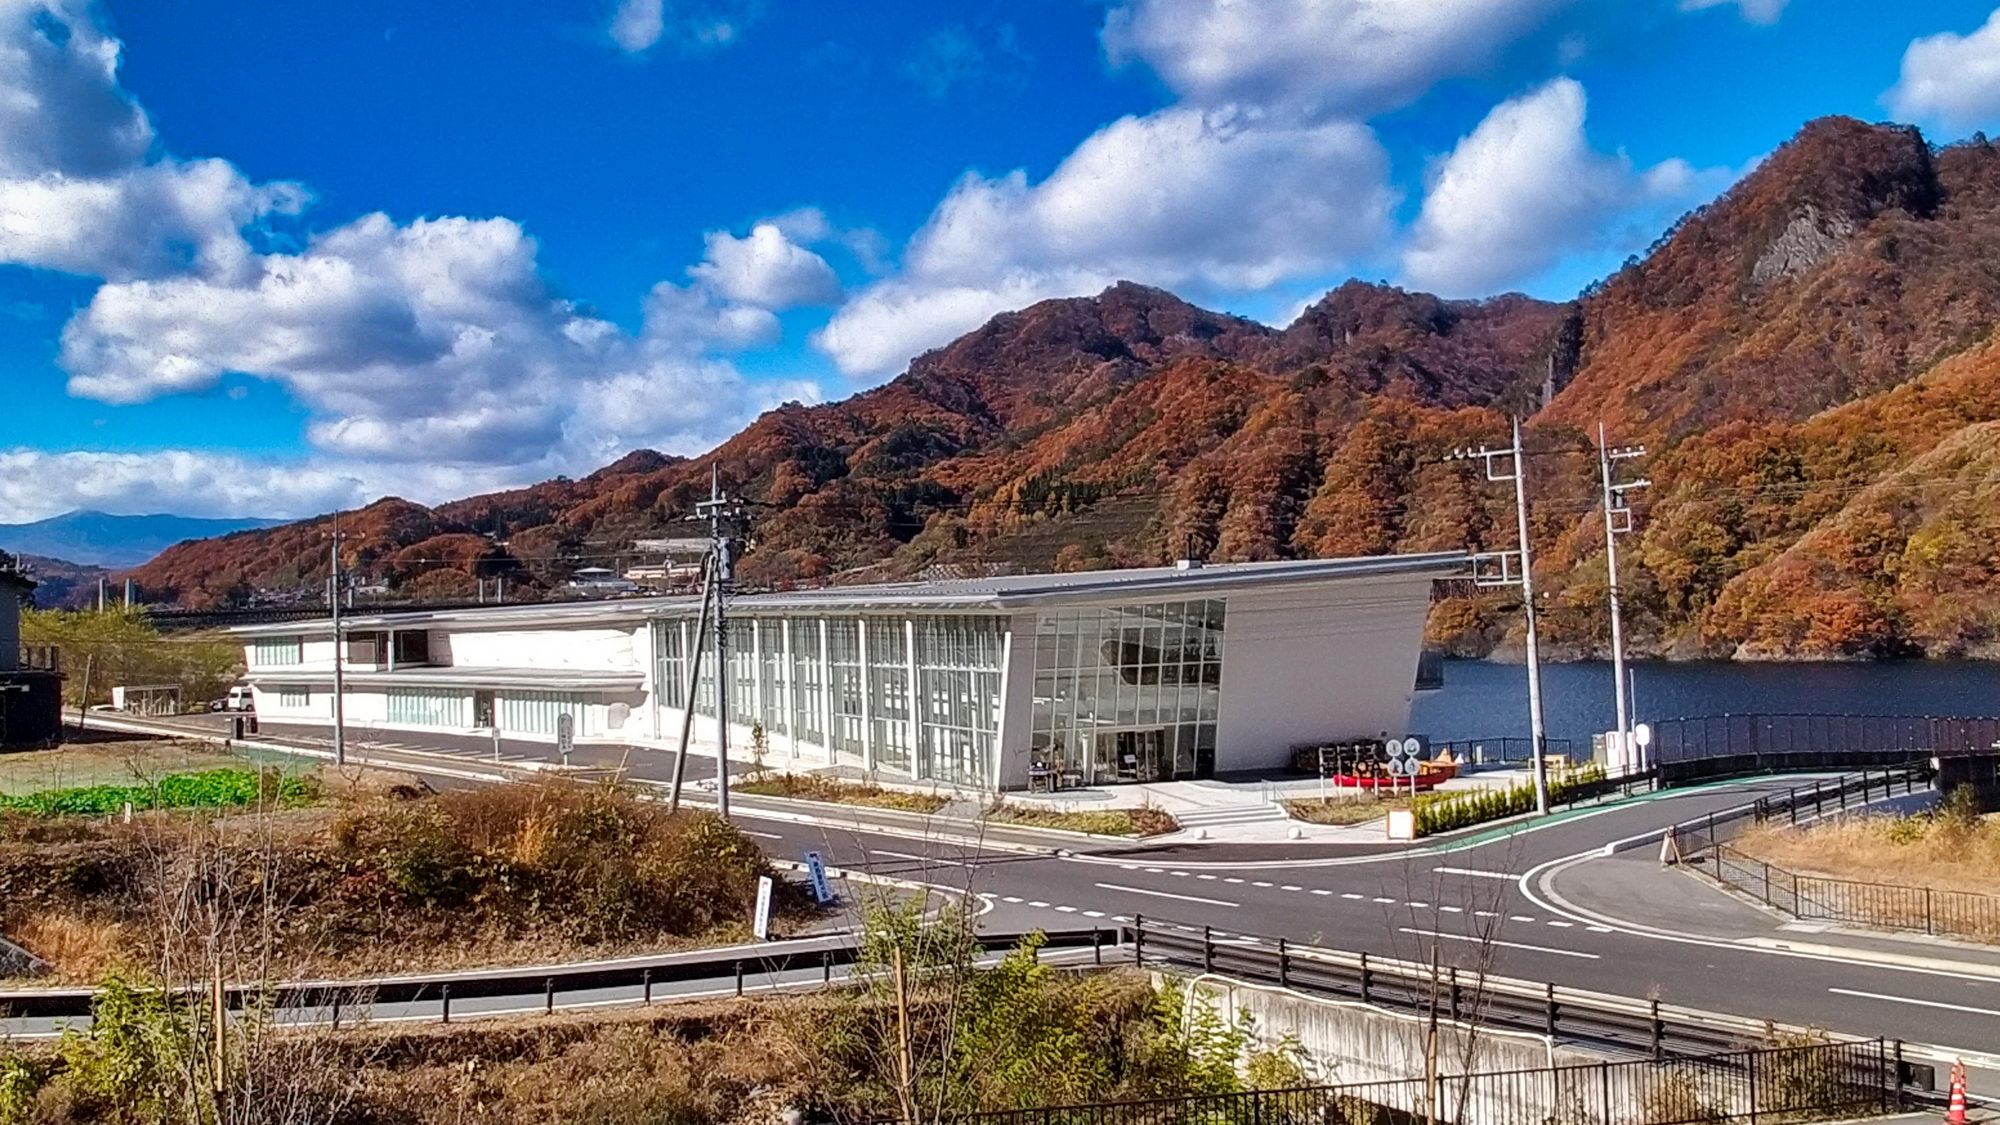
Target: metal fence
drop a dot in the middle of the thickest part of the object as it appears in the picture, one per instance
(1882, 905)
(1766, 743)
(1494, 751)
(39, 658)
(1816, 1082)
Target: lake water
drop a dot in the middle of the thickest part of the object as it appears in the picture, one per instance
(1487, 700)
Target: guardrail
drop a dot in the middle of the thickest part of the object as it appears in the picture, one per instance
(1818, 1082)
(1650, 1027)
(548, 984)
(1815, 741)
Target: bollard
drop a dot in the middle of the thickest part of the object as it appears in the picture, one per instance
(1454, 997)
(444, 1004)
(1138, 939)
(1097, 947)
(1551, 1011)
(336, 1010)
(739, 978)
(1284, 966)
(1365, 981)
(1207, 951)
(646, 986)
(1659, 1032)
(549, 997)
(826, 967)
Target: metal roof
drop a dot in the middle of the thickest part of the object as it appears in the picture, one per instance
(457, 675)
(1004, 593)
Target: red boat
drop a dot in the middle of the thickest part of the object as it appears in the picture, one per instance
(1427, 777)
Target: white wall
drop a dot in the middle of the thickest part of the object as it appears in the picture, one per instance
(591, 649)
(1017, 703)
(1306, 664)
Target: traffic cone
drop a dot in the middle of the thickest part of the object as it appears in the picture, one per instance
(1954, 1113)
(1670, 848)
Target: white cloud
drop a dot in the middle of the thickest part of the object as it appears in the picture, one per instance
(36, 484)
(767, 268)
(80, 191)
(1950, 79)
(1224, 197)
(1764, 12)
(433, 342)
(638, 25)
(1523, 189)
(1348, 57)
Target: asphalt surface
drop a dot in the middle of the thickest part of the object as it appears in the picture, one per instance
(1473, 903)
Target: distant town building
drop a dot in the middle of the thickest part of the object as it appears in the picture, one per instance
(1088, 678)
(601, 580)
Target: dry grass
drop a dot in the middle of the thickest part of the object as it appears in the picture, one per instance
(1146, 821)
(814, 787)
(1907, 851)
(388, 878)
(1343, 810)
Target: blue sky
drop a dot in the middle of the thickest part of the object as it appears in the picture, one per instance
(264, 259)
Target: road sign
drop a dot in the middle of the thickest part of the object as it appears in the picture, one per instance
(816, 872)
(1643, 735)
(565, 735)
(761, 924)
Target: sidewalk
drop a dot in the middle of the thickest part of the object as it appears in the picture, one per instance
(1630, 890)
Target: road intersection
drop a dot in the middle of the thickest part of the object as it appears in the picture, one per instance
(1537, 902)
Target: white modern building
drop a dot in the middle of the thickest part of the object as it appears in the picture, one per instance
(1078, 679)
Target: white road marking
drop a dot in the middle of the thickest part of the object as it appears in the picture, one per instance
(1290, 887)
(1231, 879)
(765, 835)
(1204, 876)
(1152, 871)
(1067, 909)
(1600, 929)
(1560, 924)
(1919, 1003)
(1038, 904)
(1484, 914)
(1321, 891)
(1476, 873)
(1182, 874)
(1167, 894)
(921, 858)
(1093, 914)
(1420, 906)
(1452, 909)
(1009, 898)
(1508, 944)
(1378, 898)
(1519, 918)
(1352, 895)
(1259, 883)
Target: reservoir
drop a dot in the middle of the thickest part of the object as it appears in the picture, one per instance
(1481, 699)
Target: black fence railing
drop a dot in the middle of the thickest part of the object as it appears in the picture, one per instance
(1477, 752)
(1816, 1082)
(1766, 743)
(1878, 905)
(39, 658)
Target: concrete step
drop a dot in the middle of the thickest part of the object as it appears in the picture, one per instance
(1228, 815)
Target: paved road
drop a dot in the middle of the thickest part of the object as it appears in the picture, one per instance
(1473, 903)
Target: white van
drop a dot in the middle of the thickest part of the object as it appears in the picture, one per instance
(238, 699)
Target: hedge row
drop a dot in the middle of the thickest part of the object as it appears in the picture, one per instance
(1444, 812)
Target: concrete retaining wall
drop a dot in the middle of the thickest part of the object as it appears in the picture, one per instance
(1353, 1042)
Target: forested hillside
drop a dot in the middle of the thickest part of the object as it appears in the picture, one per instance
(1807, 359)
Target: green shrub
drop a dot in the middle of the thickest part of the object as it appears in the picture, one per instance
(225, 788)
(1445, 812)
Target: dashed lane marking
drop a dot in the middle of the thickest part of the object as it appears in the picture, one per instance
(1321, 891)
(1350, 895)
(1167, 894)
(1477, 874)
(922, 858)
(1509, 944)
(1519, 918)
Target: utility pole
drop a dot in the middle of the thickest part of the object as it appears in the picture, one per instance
(1516, 568)
(1617, 521)
(339, 673)
(723, 515)
(693, 682)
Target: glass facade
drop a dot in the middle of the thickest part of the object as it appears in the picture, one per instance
(670, 662)
(429, 707)
(534, 712)
(917, 697)
(276, 652)
(1129, 693)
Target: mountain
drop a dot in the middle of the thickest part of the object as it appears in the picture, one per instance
(1808, 360)
(99, 539)
(63, 584)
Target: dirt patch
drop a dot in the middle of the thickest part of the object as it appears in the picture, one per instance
(118, 761)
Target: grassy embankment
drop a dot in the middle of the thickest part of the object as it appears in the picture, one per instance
(1954, 849)
(361, 872)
